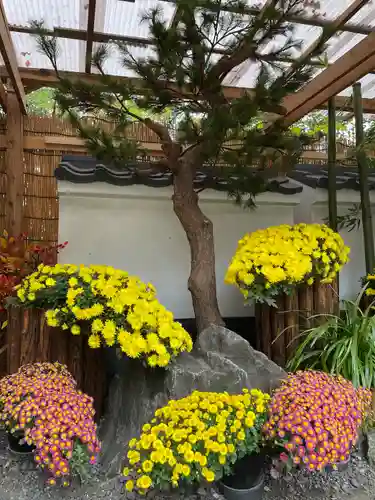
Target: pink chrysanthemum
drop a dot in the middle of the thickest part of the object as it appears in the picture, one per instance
(315, 417)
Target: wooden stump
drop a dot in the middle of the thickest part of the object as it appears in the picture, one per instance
(279, 329)
(31, 340)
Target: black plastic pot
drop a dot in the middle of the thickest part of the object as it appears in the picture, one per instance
(247, 480)
(15, 445)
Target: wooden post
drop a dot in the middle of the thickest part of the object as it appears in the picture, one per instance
(368, 235)
(14, 165)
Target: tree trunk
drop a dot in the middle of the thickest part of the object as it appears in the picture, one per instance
(199, 232)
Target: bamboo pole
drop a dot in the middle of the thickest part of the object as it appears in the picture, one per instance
(332, 190)
(368, 235)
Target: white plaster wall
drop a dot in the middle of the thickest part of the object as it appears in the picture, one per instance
(134, 228)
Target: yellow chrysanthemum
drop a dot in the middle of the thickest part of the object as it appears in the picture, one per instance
(113, 308)
(270, 261)
(219, 425)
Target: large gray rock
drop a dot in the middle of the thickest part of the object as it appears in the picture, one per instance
(221, 361)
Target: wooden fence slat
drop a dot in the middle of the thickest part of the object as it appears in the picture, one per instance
(29, 337)
(292, 317)
(14, 336)
(44, 339)
(306, 306)
(75, 358)
(265, 332)
(278, 334)
(291, 323)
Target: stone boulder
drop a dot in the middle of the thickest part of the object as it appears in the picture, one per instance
(220, 361)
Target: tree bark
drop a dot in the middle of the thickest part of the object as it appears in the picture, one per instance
(199, 232)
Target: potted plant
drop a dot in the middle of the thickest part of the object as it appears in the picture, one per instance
(197, 439)
(41, 406)
(108, 305)
(280, 268)
(273, 261)
(315, 418)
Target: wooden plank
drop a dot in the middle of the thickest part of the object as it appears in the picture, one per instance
(59, 348)
(14, 329)
(90, 34)
(361, 29)
(75, 357)
(3, 97)
(306, 306)
(37, 78)
(14, 166)
(278, 332)
(44, 340)
(328, 33)
(291, 323)
(304, 19)
(77, 145)
(10, 59)
(352, 66)
(29, 336)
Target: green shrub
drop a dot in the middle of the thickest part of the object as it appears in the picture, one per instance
(341, 345)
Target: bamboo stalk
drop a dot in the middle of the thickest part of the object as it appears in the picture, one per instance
(332, 189)
(368, 235)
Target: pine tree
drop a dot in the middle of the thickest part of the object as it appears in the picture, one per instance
(193, 55)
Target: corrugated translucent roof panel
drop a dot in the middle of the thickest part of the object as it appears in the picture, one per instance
(121, 17)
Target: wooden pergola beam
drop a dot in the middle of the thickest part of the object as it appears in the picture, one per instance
(34, 79)
(349, 68)
(90, 34)
(318, 21)
(99, 37)
(358, 29)
(328, 33)
(77, 145)
(10, 59)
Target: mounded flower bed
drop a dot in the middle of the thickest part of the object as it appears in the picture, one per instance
(194, 439)
(290, 273)
(316, 418)
(41, 404)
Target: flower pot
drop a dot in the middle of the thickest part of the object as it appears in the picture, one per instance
(247, 480)
(18, 448)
